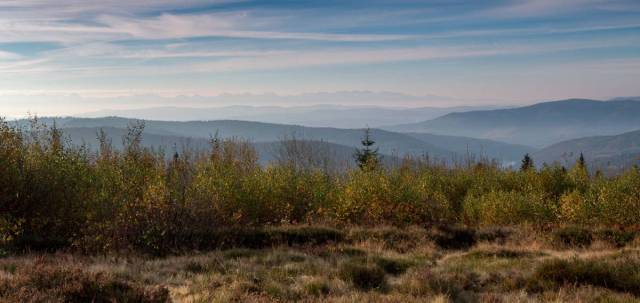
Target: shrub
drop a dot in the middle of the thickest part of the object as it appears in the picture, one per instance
(363, 276)
(572, 236)
(238, 253)
(393, 238)
(351, 252)
(54, 195)
(508, 207)
(459, 286)
(49, 283)
(194, 267)
(454, 237)
(392, 266)
(619, 199)
(616, 237)
(308, 235)
(503, 253)
(317, 288)
(493, 234)
(620, 275)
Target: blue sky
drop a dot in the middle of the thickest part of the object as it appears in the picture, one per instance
(468, 52)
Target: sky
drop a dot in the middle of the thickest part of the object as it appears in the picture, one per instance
(73, 56)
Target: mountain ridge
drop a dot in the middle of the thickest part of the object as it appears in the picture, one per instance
(390, 143)
(538, 125)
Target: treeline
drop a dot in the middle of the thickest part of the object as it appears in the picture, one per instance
(54, 195)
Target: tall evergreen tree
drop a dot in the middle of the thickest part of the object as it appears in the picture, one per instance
(367, 157)
(581, 161)
(527, 163)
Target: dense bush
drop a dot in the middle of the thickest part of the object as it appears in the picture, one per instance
(616, 237)
(392, 266)
(620, 274)
(363, 276)
(572, 236)
(454, 237)
(54, 195)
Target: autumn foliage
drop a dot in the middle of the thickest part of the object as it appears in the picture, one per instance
(55, 195)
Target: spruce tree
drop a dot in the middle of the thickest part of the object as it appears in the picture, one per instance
(527, 163)
(581, 161)
(367, 157)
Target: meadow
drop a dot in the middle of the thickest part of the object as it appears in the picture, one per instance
(140, 225)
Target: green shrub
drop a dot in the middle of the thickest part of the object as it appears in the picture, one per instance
(363, 276)
(54, 195)
(572, 236)
(498, 207)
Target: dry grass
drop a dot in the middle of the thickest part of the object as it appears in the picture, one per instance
(368, 265)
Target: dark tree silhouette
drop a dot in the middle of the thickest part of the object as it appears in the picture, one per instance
(367, 157)
(527, 163)
(581, 161)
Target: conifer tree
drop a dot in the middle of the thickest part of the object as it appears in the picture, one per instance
(367, 157)
(527, 163)
(581, 161)
(580, 173)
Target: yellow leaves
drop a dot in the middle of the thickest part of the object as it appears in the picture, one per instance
(9, 229)
(571, 206)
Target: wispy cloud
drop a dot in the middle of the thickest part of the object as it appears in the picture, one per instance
(9, 56)
(536, 8)
(167, 43)
(238, 61)
(86, 9)
(165, 26)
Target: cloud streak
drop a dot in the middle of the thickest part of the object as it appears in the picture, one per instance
(165, 26)
(170, 43)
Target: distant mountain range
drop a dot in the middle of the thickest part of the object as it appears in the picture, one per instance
(337, 155)
(59, 104)
(602, 152)
(537, 125)
(315, 116)
(607, 132)
(464, 146)
(167, 134)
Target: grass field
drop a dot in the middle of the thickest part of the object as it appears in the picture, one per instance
(316, 264)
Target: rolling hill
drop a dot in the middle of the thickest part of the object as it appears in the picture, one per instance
(334, 155)
(537, 125)
(257, 132)
(602, 152)
(168, 134)
(314, 116)
(479, 147)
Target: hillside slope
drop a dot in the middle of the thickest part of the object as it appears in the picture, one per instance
(603, 152)
(539, 124)
(477, 147)
(390, 143)
(314, 116)
(333, 155)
